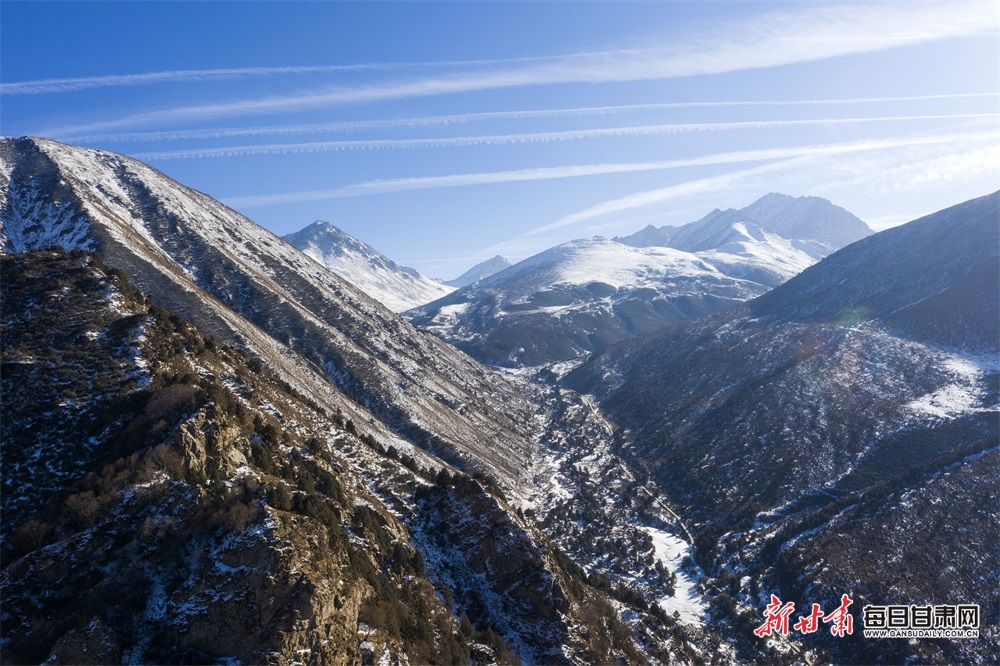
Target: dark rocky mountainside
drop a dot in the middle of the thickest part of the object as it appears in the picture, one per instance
(183, 509)
(838, 434)
(168, 499)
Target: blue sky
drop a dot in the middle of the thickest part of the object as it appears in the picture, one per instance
(445, 133)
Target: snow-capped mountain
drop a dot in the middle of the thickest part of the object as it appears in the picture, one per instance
(811, 223)
(482, 270)
(839, 433)
(221, 451)
(584, 295)
(768, 241)
(578, 297)
(397, 287)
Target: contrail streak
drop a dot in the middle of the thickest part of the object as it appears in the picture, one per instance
(456, 119)
(73, 84)
(533, 137)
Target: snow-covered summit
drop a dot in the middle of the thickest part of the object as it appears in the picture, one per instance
(812, 224)
(807, 219)
(397, 287)
(769, 241)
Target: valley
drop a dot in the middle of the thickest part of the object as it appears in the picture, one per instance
(221, 449)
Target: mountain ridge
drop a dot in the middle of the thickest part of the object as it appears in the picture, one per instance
(220, 270)
(818, 225)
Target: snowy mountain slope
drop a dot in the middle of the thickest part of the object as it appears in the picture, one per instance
(397, 287)
(749, 252)
(482, 270)
(837, 434)
(240, 283)
(575, 298)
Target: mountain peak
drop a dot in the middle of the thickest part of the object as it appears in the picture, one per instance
(807, 218)
(480, 271)
(649, 236)
(322, 226)
(812, 224)
(397, 287)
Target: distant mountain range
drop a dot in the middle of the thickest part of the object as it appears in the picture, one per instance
(812, 224)
(397, 287)
(582, 296)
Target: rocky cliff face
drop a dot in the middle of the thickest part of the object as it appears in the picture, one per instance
(202, 518)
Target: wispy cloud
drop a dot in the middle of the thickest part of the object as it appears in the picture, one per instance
(575, 171)
(780, 38)
(787, 158)
(921, 173)
(532, 137)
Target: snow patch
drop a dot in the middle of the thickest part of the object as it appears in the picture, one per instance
(963, 395)
(687, 603)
